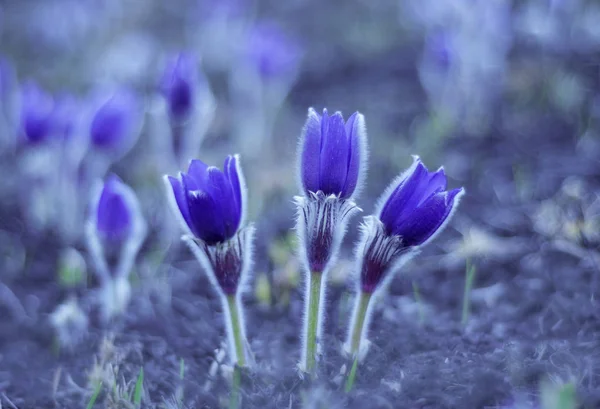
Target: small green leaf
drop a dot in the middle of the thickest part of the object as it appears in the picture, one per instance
(94, 396)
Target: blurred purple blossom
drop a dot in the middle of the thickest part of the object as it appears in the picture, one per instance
(333, 153)
(179, 84)
(37, 113)
(115, 123)
(114, 213)
(272, 51)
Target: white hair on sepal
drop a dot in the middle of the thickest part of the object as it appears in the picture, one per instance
(389, 190)
(369, 228)
(312, 113)
(243, 189)
(444, 224)
(361, 128)
(247, 249)
(172, 202)
(311, 211)
(245, 236)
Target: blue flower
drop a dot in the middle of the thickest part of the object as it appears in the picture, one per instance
(115, 123)
(211, 204)
(418, 205)
(334, 154)
(210, 201)
(179, 83)
(414, 208)
(37, 111)
(115, 210)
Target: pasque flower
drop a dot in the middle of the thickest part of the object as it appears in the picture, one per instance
(211, 203)
(333, 157)
(37, 109)
(179, 84)
(413, 209)
(116, 121)
(115, 232)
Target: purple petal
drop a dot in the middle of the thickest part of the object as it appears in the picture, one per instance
(114, 120)
(311, 150)
(220, 190)
(205, 216)
(354, 158)
(334, 155)
(231, 172)
(113, 213)
(424, 221)
(198, 173)
(179, 84)
(180, 199)
(36, 113)
(400, 200)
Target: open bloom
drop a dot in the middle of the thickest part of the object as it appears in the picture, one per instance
(178, 85)
(211, 204)
(414, 208)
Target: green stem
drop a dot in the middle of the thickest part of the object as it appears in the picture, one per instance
(314, 299)
(351, 376)
(469, 278)
(234, 402)
(359, 322)
(234, 314)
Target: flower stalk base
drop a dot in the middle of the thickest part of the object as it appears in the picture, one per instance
(313, 322)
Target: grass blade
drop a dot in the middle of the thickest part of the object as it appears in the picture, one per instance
(94, 396)
(139, 387)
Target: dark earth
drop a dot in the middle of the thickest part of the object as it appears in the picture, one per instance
(529, 224)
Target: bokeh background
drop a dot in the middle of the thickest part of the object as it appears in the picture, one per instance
(504, 94)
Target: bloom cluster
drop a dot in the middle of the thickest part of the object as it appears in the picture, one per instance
(210, 204)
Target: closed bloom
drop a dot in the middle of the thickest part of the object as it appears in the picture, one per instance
(116, 121)
(211, 205)
(415, 208)
(179, 83)
(114, 213)
(115, 232)
(332, 161)
(36, 114)
(333, 154)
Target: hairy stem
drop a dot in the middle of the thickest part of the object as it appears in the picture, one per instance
(359, 321)
(238, 339)
(351, 376)
(312, 328)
